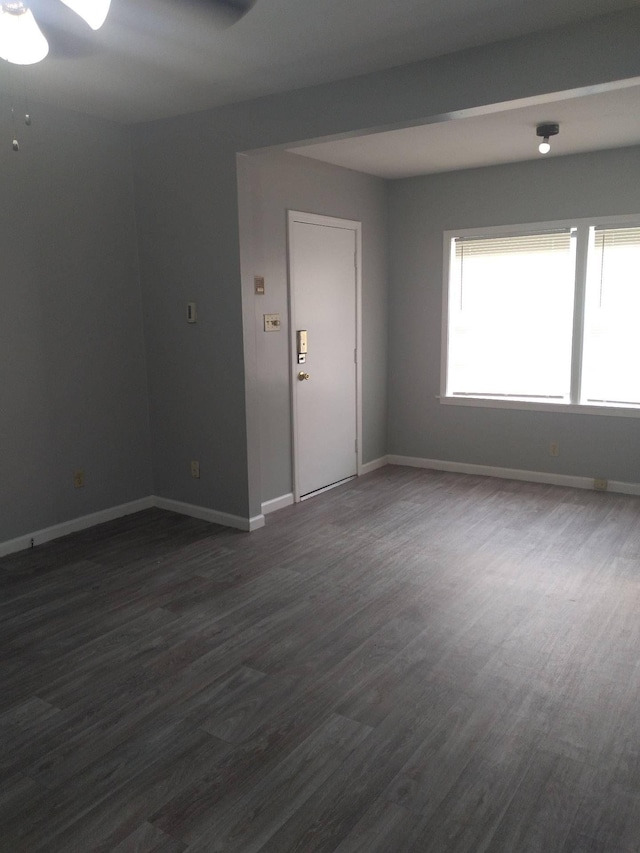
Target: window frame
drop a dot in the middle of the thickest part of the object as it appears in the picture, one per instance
(574, 406)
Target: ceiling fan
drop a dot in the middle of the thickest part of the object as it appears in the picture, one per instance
(22, 41)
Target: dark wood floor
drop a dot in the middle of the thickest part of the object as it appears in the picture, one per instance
(416, 661)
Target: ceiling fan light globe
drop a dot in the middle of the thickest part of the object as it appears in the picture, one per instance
(94, 12)
(21, 40)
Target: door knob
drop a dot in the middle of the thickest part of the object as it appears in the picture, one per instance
(302, 376)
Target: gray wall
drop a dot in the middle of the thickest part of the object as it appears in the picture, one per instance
(269, 185)
(202, 403)
(421, 209)
(72, 364)
(187, 215)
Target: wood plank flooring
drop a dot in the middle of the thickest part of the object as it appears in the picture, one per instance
(415, 661)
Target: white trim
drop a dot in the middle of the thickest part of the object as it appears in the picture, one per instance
(368, 467)
(623, 488)
(294, 216)
(83, 522)
(275, 504)
(573, 405)
(38, 537)
(579, 306)
(358, 230)
(447, 253)
(513, 474)
(524, 228)
(213, 515)
(541, 406)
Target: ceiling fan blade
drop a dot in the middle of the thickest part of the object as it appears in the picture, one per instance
(238, 7)
(225, 12)
(68, 35)
(94, 12)
(21, 39)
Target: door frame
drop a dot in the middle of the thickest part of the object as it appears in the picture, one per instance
(294, 216)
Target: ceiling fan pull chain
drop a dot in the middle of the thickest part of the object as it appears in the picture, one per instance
(15, 144)
(25, 99)
(11, 89)
(23, 108)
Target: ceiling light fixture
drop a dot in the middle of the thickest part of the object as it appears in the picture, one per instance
(94, 12)
(546, 131)
(22, 41)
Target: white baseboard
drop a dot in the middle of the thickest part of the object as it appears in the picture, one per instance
(277, 503)
(213, 515)
(513, 474)
(623, 488)
(38, 537)
(368, 467)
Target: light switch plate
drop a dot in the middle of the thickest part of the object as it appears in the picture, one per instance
(271, 322)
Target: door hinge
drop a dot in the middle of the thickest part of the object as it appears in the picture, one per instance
(355, 356)
(356, 444)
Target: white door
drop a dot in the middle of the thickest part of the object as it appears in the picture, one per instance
(323, 256)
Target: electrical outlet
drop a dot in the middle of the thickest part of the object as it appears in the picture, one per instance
(554, 448)
(195, 469)
(78, 479)
(600, 485)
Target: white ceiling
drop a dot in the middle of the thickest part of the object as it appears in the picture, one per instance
(591, 122)
(158, 58)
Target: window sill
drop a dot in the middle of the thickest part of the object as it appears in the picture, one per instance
(542, 406)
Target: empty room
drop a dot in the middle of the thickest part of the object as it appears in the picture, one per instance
(319, 467)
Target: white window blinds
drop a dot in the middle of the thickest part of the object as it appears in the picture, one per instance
(611, 360)
(511, 316)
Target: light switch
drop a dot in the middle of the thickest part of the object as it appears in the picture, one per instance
(271, 322)
(192, 317)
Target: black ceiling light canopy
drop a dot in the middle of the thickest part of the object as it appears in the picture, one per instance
(546, 131)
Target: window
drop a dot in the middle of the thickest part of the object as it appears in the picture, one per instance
(611, 360)
(548, 315)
